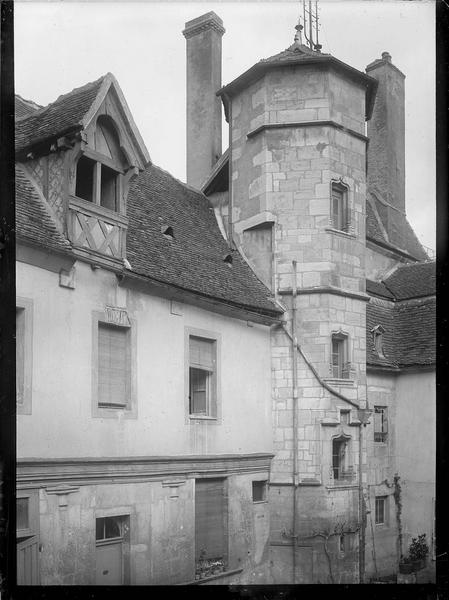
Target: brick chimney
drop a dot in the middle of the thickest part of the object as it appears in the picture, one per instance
(386, 133)
(203, 36)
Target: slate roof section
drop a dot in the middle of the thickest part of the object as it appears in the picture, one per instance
(34, 222)
(63, 115)
(193, 260)
(412, 281)
(407, 312)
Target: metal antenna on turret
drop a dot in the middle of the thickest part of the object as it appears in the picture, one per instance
(311, 24)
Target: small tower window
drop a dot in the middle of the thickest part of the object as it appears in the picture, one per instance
(339, 207)
(341, 469)
(340, 366)
(380, 424)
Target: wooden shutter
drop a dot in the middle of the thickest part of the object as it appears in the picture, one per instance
(210, 518)
(202, 352)
(113, 371)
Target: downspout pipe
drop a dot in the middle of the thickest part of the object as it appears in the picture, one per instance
(230, 201)
(294, 341)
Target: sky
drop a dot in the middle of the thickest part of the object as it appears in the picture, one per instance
(62, 44)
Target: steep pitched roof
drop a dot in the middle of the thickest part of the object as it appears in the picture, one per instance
(63, 115)
(377, 288)
(412, 280)
(34, 222)
(194, 259)
(24, 108)
(381, 219)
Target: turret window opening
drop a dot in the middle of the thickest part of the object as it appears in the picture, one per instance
(339, 207)
(341, 469)
(340, 366)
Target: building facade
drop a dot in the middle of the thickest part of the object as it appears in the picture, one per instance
(228, 383)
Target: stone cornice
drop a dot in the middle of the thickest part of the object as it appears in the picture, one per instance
(326, 289)
(43, 472)
(318, 123)
(204, 23)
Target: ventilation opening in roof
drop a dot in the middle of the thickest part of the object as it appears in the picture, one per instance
(168, 232)
(228, 259)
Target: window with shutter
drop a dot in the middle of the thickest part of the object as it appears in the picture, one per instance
(202, 377)
(211, 535)
(113, 366)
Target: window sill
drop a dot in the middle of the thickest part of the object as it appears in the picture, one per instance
(340, 232)
(101, 412)
(213, 577)
(260, 501)
(201, 418)
(342, 486)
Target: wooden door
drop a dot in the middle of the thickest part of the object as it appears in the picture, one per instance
(28, 561)
(109, 563)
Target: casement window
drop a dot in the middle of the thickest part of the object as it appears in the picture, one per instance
(114, 368)
(259, 491)
(24, 324)
(98, 171)
(381, 510)
(340, 366)
(211, 526)
(112, 546)
(340, 214)
(380, 424)
(202, 377)
(342, 470)
(27, 537)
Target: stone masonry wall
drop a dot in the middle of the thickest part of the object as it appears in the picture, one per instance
(284, 175)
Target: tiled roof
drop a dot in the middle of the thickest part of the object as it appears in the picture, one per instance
(24, 108)
(377, 288)
(193, 260)
(408, 317)
(58, 117)
(34, 222)
(409, 336)
(412, 281)
(400, 232)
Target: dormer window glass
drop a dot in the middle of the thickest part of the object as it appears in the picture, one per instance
(98, 171)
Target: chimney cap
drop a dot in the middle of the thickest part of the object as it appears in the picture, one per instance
(203, 23)
(386, 56)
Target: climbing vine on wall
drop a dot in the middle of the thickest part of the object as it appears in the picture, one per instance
(397, 495)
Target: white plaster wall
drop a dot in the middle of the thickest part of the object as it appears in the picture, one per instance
(416, 439)
(61, 423)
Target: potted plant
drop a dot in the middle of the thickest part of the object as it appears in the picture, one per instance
(418, 552)
(405, 565)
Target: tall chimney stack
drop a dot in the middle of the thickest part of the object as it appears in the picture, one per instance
(203, 36)
(386, 133)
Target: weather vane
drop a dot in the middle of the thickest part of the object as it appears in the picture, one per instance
(311, 25)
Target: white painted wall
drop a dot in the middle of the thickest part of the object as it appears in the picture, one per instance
(61, 423)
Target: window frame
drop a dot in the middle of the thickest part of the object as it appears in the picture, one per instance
(33, 514)
(130, 410)
(384, 499)
(264, 484)
(344, 365)
(347, 466)
(98, 161)
(344, 209)
(216, 416)
(383, 410)
(25, 305)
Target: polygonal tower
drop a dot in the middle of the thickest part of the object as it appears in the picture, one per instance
(296, 209)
